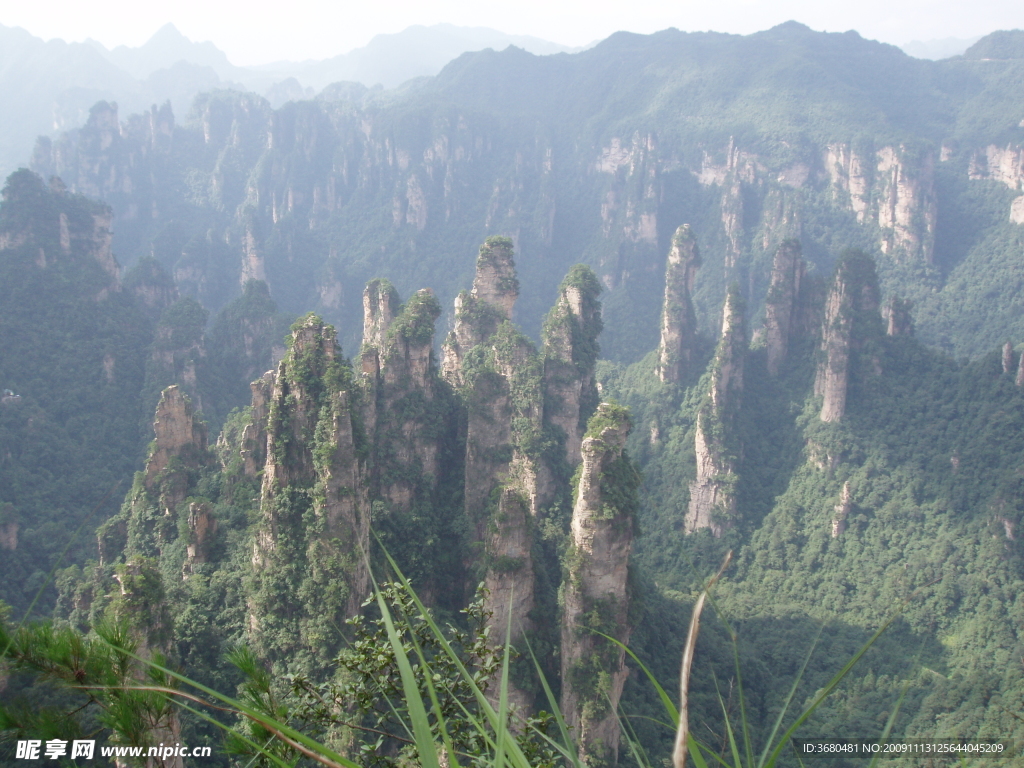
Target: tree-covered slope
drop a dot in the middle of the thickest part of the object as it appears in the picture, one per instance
(908, 503)
(83, 355)
(72, 359)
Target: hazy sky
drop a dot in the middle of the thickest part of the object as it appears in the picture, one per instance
(261, 31)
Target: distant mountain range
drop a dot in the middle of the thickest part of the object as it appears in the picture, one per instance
(938, 49)
(48, 86)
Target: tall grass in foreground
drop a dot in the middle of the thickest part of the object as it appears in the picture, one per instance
(741, 745)
(428, 729)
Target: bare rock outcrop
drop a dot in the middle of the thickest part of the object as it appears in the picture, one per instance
(1005, 165)
(907, 207)
(1002, 164)
(851, 307)
(732, 223)
(678, 322)
(570, 354)
(254, 436)
(897, 317)
(893, 187)
(712, 494)
(781, 303)
(596, 595)
(380, 305)
(842, 511)
(630, 202)
(479, 312)
(314, 505)
(503, 386)
(179, 434)
(179, 346)
(851, 174)
(202, 531)
(47, 224)
(9, 535)
(832, 378)
(400, 379)
(151, 286)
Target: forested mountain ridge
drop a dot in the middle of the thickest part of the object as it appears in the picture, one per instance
(855, 472)
(779, 367)
(85, 354)
(594, 157)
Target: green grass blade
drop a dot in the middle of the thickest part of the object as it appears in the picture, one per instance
(831, 686)
(486, 708)
(695, 752)
(891, 721)
(748, 745)
(635, 748)
(563, 727)
(733, 746)
(789, 699)
(417, 712)
(261, 750)
(501, 733)
(315, 750)
(666, 701)
(432, 693)
(511, 746)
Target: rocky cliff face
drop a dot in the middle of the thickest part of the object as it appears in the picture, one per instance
(314, 506)
(202, 531)
(410, 418)
(330, 448)
(479, 312)
(179, 348)
(712, 494)
(480, 364)
(502, 491)
(76, 229)
(380, 305)
(1002, 164)
(516, 400)
(897, 317)
(9, 535)
(1005, 165)
(153, 289)
(781, 305)
(851, 176)
(273, 180)
(570, 353)
(907, 209)
(832, 378)
(628, 191)
(179, 434)
(678, 322)
(500, 376)
(851, 312)
(286, 194)
(596, 591)
(148, 521)
(894, 188)
(254, 437)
